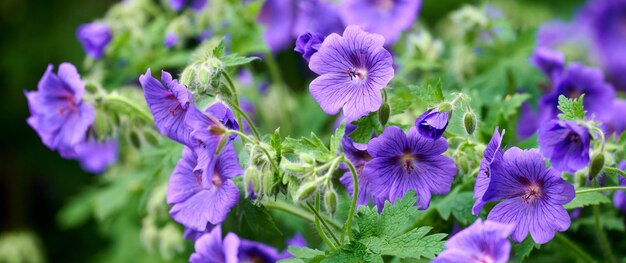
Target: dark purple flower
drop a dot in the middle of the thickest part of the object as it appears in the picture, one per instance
(386, 17)
(211, 248)
(549, 61)
(307, 44)
(615, 122)
(171, 39)
(223, 114)
(94, 37)
(278, 18)
(194, 235)
(566, 144)
(317, 16)
(575, 80)
(196, 5)
(403, 162)
(96, 156)
(555, 34)
(493, 153)
(58, 113)
(205, 198)
(533, 196)
(251, 251)
(479, 243)
(432, 123)
(353, 69)
(169, 102)
(619, 199)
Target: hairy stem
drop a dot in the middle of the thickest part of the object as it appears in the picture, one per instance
(299, 212)
(321, 219)
(147, 116)
(615, 170)
(347, 228)
(599, 189)
(573, 248)
(318, 226)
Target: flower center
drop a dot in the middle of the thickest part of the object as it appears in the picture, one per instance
(174, 111)
(216, 180)
(572, 137)
(407, 162)
(482, 258)
(532, 192)
(357, 73)
(384, 4)
(574, 93)
(69, 107)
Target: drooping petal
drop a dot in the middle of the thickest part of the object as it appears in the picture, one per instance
(493, 153)
(391, 143)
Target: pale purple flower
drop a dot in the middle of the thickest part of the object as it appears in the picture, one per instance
(171, 39)
(194, 235)
(549, 61)
(619, 199)
(169, 102)
(432, 123)
(202, 198)
(479, 243)
(96, 156)
(533, 196)
(307, 44)
(252, 251)
(386, 17)
(615, 122)
(403, 162)
(493, 153)
(566, 144)
(58, 113)
(245, 77)
(278, 17)
(94, 37)
(317, 16)
(211, 248)
(528, 121)
(196, 5)
(296, 240)
(353, 68)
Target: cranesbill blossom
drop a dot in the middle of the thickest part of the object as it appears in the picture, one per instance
(169, 102)
(403, 162)
(432, 123)
(528, 121)
(296, 241)
(171, 39)
(95, 156)
(615, 121)
(353, 69)
(386, 17)
(194, 235)
(211, 248)
(58, 113)
(549, 61)
(200, 199)
(493, 153)
(479, 243)
(533, 196)
(619, 199)
(307, 44)
(317, 16)
(196, 5)
(566, 144)
(223, 114)
(94, 37)
(278, 17)
(252, 251)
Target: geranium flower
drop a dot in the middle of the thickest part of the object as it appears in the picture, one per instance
(317, 16)
(94, 37)
(479, 243)
(307, 44)
(278, 17)
(211, 248)
(619, 199)
(493, 153)
(196, 5)
(566, 144)
(252, 251)
(432, 123)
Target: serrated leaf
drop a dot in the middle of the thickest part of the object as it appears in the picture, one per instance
(313, 146)
(218, 51)
(429, 93)
(305, 252)
(572, 109)
(335, 139)
(585, 199)
(366, 126)
(523, 249)
(276, 145)
(258, 217)
(458, 204)
(233, 60)
(610, 221)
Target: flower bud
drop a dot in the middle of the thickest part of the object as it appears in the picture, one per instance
(330, 200)
(597, 163)
(383, 113)
(469, 121)
(251, 181)
(171, 241)
(306, 190)
(294, 167)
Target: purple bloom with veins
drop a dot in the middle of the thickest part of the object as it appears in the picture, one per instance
(533, 196)
(566, 144)
(432, 123)
(353, 68)
(278, 18)
(58, 113)
(549, 61)
(96, 156)
(386, 17)
(403, 162)
(171, 39)
(196, 5)
(493, 153)
(479, 243)
(224, 115)
(307, 44)
(199, 199)
(94, 37)
(169, 102)
(619, 199)
(317, 16)
(211, 248)
(252, 251)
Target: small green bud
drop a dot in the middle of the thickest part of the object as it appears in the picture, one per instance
(294, 167)
(134, 139)
(469, 121)
(100, 125)
(251, 180)
(149, 234)
(268, 183)
(330, 200)
(150, 137)
(306, 190)
(597, 163)
(307, 158)
(444, 107)
(383, 113)
(171, 241)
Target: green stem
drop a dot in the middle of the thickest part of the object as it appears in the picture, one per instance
(321, 219)
(299, 212)
(575, 249)
(319, 227)
(255, 142)
(347, 228)
(273, 68)
(604, 243)
(599, 189)
(238, 109)
(123, 100)
(255, 131)
(615, 170)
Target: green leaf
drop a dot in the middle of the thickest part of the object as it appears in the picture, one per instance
(429, 93)
(218, 51)
(335, 139)
(611, 220)
(275, 143)
(365, 127)
(233, 60)
(585, 199)
(313, 146)
(459, 204)
(76, 211)
(257, 217)
(305, 252)
(522, 250)
(572, 108)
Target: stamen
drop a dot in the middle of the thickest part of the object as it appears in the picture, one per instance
(216, 180)
(532, 192)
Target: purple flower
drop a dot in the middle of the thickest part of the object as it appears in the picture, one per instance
(171, 39)
(211, 248)
(307, 44)
(550, 62)
(220, 112)
(353, 69)
(566, 144)
(403, 162)
(619, 199)
(386, 17)
(493, 153)
(528, 121)
(277, 16)
(432, 123)
(196, 5)
(251, 251)
(194, 235)
(95, 156)
(245, 77)
(58, 113)
(574, 81)
(169, 102)
(615, 122)
(94, 37)
(481, 242)
(533, 196)
(317, 16)
(200, 199)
